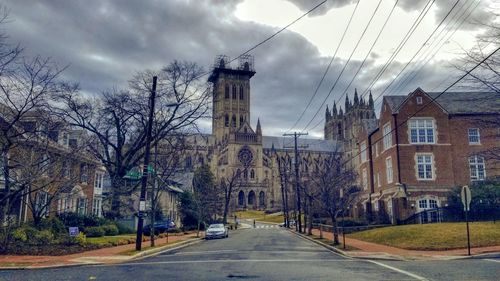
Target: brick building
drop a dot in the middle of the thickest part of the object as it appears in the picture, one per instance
(424, 145)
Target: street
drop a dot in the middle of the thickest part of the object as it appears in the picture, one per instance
(265, 253)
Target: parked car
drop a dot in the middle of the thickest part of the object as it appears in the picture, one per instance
(159, 227)
(217, 230)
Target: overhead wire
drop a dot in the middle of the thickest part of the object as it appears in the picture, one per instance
(433, 99)
(327, 68)
(401, 44)
(345, 66)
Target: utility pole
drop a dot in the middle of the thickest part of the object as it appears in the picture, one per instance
(297, 184)
(142, 200)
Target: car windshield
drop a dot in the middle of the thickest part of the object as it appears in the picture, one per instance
(216, 226)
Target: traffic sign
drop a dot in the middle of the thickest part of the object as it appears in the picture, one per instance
(73, 231)
(466, 197)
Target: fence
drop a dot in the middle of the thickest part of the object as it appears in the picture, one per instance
(350, 229)
(453, 214)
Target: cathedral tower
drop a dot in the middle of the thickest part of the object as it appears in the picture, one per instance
(231, 95)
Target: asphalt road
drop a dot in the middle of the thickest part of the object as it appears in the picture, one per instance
(265, 254)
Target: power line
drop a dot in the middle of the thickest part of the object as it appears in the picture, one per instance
(327, 68)
(411, 75)
(345, 66)
(418, 51)
(268, 38)
(401, 44)
(427, 104)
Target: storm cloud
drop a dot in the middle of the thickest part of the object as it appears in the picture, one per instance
(106, 42)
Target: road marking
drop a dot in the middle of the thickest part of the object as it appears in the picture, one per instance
(492, 260)
(204, 252)
(231, 261)
(399, 270)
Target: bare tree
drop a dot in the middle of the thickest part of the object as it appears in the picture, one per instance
(116, 120)
(335, 188)
(487, 75)
(229, 185)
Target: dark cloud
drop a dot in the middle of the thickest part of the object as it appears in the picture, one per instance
(105, 42)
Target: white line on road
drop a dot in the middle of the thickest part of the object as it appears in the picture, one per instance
(204, 252)
(232, 261)
(492, 260)
(399, 270)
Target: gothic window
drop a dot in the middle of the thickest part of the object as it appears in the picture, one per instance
(226, 120)
(241, 120)
(252, 174)
(238, 173)
(233, 121)
(339, 129)
(234, 92)
(188, 162)
(242, 95)
(245, 174)
(251, 197)
(226, 91)
(245, 156)
(262, 199)
(241, 198)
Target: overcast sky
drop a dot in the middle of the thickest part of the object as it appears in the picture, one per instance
(105, 42)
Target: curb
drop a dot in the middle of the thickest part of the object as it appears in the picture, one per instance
(138, 256)
(344, 253)
(165, 249)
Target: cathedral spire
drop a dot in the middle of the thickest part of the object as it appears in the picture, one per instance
(341, 113)
(328, 116)
(370, 101)
(334, 109)
(347, 103)
(356, 99)
(259, 130)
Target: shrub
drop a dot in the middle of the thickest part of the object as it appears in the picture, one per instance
(55, 225)
(19, 234)
(110, 229)
(95, 231)
(81, 239)
(43, 237)
(122, 229)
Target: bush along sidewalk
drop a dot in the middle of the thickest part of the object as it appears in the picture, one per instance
(51, 236)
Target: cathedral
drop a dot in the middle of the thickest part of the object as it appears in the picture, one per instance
(239, 153)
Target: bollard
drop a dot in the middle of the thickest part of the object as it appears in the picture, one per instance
(321, 231)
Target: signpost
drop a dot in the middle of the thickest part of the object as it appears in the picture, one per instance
(466, 196)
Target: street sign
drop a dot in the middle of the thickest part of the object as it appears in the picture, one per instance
(142, 206)
(466, 197)
(73, 231)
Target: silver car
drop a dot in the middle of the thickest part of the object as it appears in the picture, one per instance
(217, 230)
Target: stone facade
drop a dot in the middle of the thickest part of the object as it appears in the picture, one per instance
(236, 150)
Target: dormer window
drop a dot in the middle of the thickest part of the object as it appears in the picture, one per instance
(419, 100)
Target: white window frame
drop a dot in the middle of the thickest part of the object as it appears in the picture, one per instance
(427, 159)
(478, 136)
(98, 181)
(387, 135)
(379, 184)
(365, 179)
(389, 173)
(423, 129)
(419, 100)
(475, 162)
(363, 152)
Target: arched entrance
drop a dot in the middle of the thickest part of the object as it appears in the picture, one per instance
(241, 198)
(251, 198)
(262, 199)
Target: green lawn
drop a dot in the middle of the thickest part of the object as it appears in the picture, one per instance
(437, 236)
(113, 240)
(260, 216)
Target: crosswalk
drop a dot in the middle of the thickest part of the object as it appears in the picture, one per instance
(266, 226)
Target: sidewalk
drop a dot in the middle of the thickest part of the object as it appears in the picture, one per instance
(372, 250)
(100, 256)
